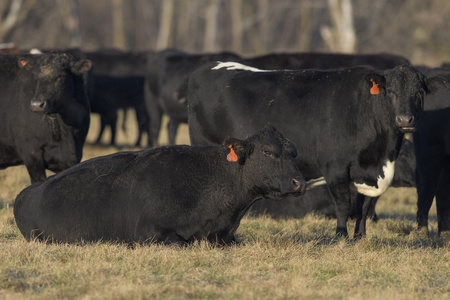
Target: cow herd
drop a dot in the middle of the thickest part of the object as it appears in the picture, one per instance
(262, 129)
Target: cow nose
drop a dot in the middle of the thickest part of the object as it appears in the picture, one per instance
(299, 186)
(405, 121)
(38, 106)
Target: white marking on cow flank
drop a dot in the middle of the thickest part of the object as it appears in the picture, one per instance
(384, 182)
(231, 65)
(310, 184)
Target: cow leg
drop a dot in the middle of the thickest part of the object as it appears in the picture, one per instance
(363, 205)
(155, 126)
(427, 184)
(112, 122)
(102, 128)
(340, 193)
(172, 128)
(35, 167)
(443, 203)
(372, 213)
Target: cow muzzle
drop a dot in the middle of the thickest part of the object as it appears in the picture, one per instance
(298, 186)
(406, 123)
(38, 105)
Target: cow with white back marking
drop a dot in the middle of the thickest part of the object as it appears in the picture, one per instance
(173, 194)
(348, 123)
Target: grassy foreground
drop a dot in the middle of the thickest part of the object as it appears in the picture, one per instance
(275, 259)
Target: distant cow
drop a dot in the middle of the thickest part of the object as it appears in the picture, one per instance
(432, 145)
(173, 194)
(167, 71)
(348, 124)
(318, 200)
(45, 116)
(276, 61)
(108, 94)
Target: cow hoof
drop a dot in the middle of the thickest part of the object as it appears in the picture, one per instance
(445, 236)
(358, 236)
(421, 233)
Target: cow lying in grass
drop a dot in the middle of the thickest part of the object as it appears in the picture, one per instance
(174, 194)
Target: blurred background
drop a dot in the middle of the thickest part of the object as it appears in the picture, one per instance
(416, 29)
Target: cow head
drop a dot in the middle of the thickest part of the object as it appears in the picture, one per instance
(405, 89)
(268, 164)
(56, 76)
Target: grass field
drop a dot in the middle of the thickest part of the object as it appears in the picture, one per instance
(274, 259)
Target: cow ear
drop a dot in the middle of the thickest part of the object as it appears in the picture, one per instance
(237, 150)
(375, 83)
(81, 66)
(434, 83)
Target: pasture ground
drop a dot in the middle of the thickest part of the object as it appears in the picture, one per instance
(274, 259)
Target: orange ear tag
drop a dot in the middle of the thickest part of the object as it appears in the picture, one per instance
(23, 63)
(374, 90)
(232, 155)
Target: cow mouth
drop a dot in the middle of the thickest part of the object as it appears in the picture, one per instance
(408, 129)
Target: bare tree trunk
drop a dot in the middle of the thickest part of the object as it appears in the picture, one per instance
(305, 30)
(118, 26)
(209, 41)
(263, 8)
(10, 19)
(71, 20)
(237, 26)
(165, 27)
(341, 37)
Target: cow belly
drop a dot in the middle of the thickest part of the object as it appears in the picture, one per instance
(383, 182)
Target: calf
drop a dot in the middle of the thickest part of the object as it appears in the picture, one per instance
(432, 145)
(348, 123)
(174, 194)
(45, 115)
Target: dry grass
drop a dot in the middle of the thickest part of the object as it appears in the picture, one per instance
(275, 259)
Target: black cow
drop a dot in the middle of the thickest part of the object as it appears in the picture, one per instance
(108, 94)
(168, 70)
(173, 194)
(277, 61)
(112, 62)
(432, 145)
(45, 115)
(348, 124)
(318, 200)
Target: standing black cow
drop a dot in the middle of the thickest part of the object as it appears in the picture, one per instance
(277, 61)
(318, 200)
(173, 194)
(348, 124)
(45, 115)
(167, 71)
(109, 94)
(432, 144)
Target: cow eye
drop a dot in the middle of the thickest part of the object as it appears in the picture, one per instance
(267, 153)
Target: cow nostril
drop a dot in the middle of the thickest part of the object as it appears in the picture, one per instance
(405, 120)
(299, 185)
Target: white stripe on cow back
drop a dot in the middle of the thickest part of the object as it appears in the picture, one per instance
(384, 182)
(310, 184)
(231, 65)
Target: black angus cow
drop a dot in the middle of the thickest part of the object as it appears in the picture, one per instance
(432, 145)
(167, 71)
(45, 115)
(109, 94)
(172, 194)
(318, 200)
(348, 123)
(116, 69)
(277, 61)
